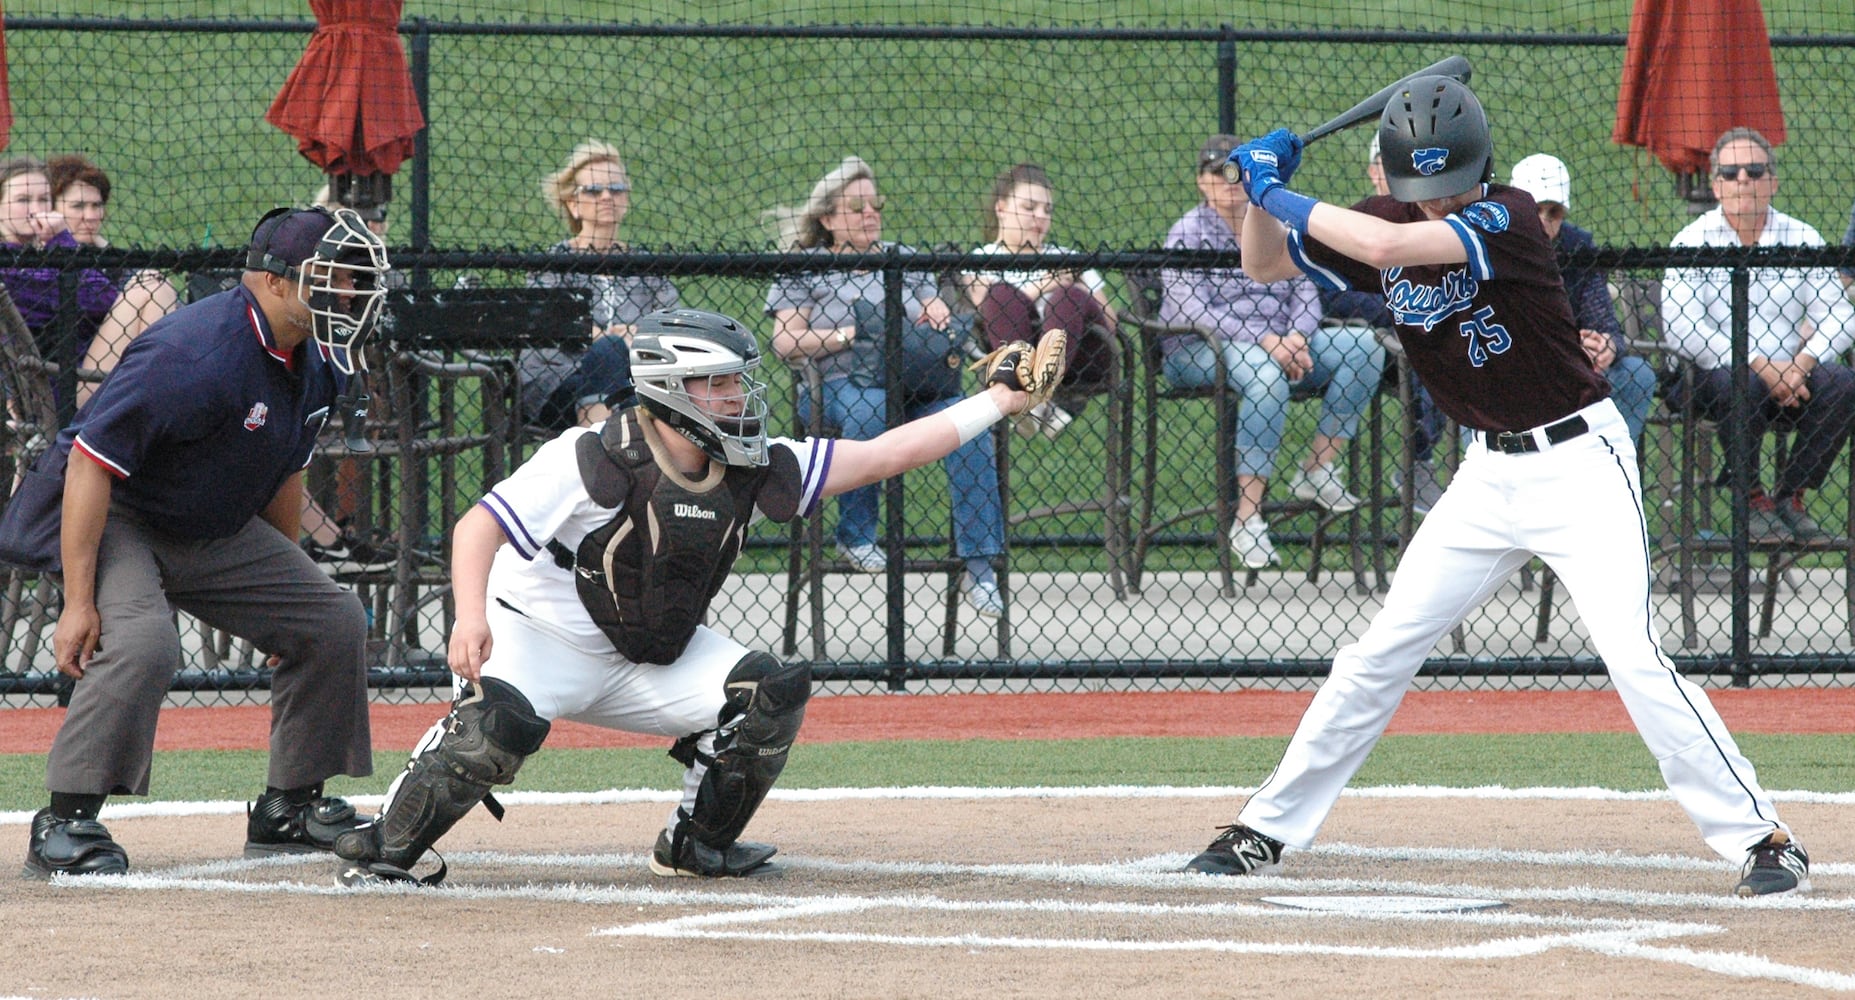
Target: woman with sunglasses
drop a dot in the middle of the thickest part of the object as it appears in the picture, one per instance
(1024, 304)
(835, 320)
(562, 388)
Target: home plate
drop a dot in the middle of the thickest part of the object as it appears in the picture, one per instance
(1373, 905)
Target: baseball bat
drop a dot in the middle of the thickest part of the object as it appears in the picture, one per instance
(1456, 67)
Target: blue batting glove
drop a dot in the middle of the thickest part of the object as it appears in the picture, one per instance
(1287, 149)
(1261, 169)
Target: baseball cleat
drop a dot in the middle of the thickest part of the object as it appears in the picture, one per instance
(1775, 864)
(742, 859)
(71, 847)
(275, 825)
(368, 874)
(1238, 850)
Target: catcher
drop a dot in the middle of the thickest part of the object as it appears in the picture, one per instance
(581, 582)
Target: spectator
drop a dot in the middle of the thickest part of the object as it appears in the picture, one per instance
(1632, 378)
(1023, 305)
(1272, 341)
(81, 192)
(1368, 307)
(1800, 324)
(28, 221)
(182, 488)
(561, 388)
(835, 319)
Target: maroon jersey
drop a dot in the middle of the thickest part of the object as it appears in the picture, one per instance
(1493, 338)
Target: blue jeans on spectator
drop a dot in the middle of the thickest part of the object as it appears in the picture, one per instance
(1347, 363)
(972, 477)
(605, 369)
(1632, 388)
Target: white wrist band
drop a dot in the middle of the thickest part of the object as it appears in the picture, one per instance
(974, 415)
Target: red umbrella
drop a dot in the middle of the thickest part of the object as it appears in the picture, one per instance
(1694, 69)
(349, 102)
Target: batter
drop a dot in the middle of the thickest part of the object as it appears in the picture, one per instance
(1471, 280)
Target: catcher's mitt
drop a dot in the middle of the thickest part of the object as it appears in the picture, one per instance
(1033, 370)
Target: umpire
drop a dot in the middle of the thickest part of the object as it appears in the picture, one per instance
(183, 489)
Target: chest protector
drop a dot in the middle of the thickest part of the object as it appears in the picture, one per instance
(648, 575)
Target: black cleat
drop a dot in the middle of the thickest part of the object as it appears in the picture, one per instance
(71, 847)
(742, 859)
(1773, 865)
(1238, 850)
(275, 825)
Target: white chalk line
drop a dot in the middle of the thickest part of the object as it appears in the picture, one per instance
(1621, 938)
(120, 809)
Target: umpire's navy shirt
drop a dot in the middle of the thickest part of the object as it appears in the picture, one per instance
(204, 418)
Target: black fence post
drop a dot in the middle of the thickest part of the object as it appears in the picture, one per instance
(421, 70)
(1227, 80)
(1739, 463)
(64, 342)
(895, 626)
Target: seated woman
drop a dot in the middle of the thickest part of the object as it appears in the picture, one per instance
(27, 221)
(1271, 343)
(80, 193)
(563, 388)
(1023, 305)
(816, 316)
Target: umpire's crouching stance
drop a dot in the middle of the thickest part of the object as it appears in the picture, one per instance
(183, 488)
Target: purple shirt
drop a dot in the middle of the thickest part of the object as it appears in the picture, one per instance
(35, 292)
(1225, 300)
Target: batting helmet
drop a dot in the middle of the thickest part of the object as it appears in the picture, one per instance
(1434, 139)
(312, 246)
(672, 346)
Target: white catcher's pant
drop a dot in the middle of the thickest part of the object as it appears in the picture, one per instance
(570, 677)
(1578, 506)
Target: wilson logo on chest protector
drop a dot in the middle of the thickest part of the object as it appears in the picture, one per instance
(691, 510)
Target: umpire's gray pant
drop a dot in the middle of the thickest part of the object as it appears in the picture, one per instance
(257, 585)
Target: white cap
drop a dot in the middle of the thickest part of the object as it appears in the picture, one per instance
(1371, 155)
(1545, 178)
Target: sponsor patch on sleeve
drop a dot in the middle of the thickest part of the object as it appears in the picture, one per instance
(1487, 216)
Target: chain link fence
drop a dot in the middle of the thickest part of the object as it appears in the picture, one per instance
(1114, 562)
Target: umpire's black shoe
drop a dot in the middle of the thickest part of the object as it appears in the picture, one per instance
(1775, 864)
(282, 823)
(694, 859)
(71, 847)
(1238, 850)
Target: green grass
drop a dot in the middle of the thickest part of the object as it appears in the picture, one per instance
(1617, 761)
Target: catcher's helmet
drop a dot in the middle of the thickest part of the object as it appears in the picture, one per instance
(313, 245)
(670, 347)
(1434, 139)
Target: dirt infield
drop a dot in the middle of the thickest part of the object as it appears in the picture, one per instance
(983, 895)
(839, 718)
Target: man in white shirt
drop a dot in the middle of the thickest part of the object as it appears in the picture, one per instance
(1800, 324)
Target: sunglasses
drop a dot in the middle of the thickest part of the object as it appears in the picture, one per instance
(1754, 171)
(855, 205)
(595, 190)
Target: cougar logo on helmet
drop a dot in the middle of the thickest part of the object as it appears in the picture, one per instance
(1429, 160)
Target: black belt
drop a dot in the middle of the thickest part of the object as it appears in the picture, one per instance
(1522, 442)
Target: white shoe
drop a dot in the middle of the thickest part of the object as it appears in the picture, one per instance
(1323, 486)
(984, 598)
(864, 558)
(1250, 541)
(1047, 419)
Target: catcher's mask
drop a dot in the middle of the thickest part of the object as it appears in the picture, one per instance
(339, 267)
(1434, 140)
(676, 350)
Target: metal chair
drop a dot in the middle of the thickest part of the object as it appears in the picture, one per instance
(1146, 293)
(807, 564)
